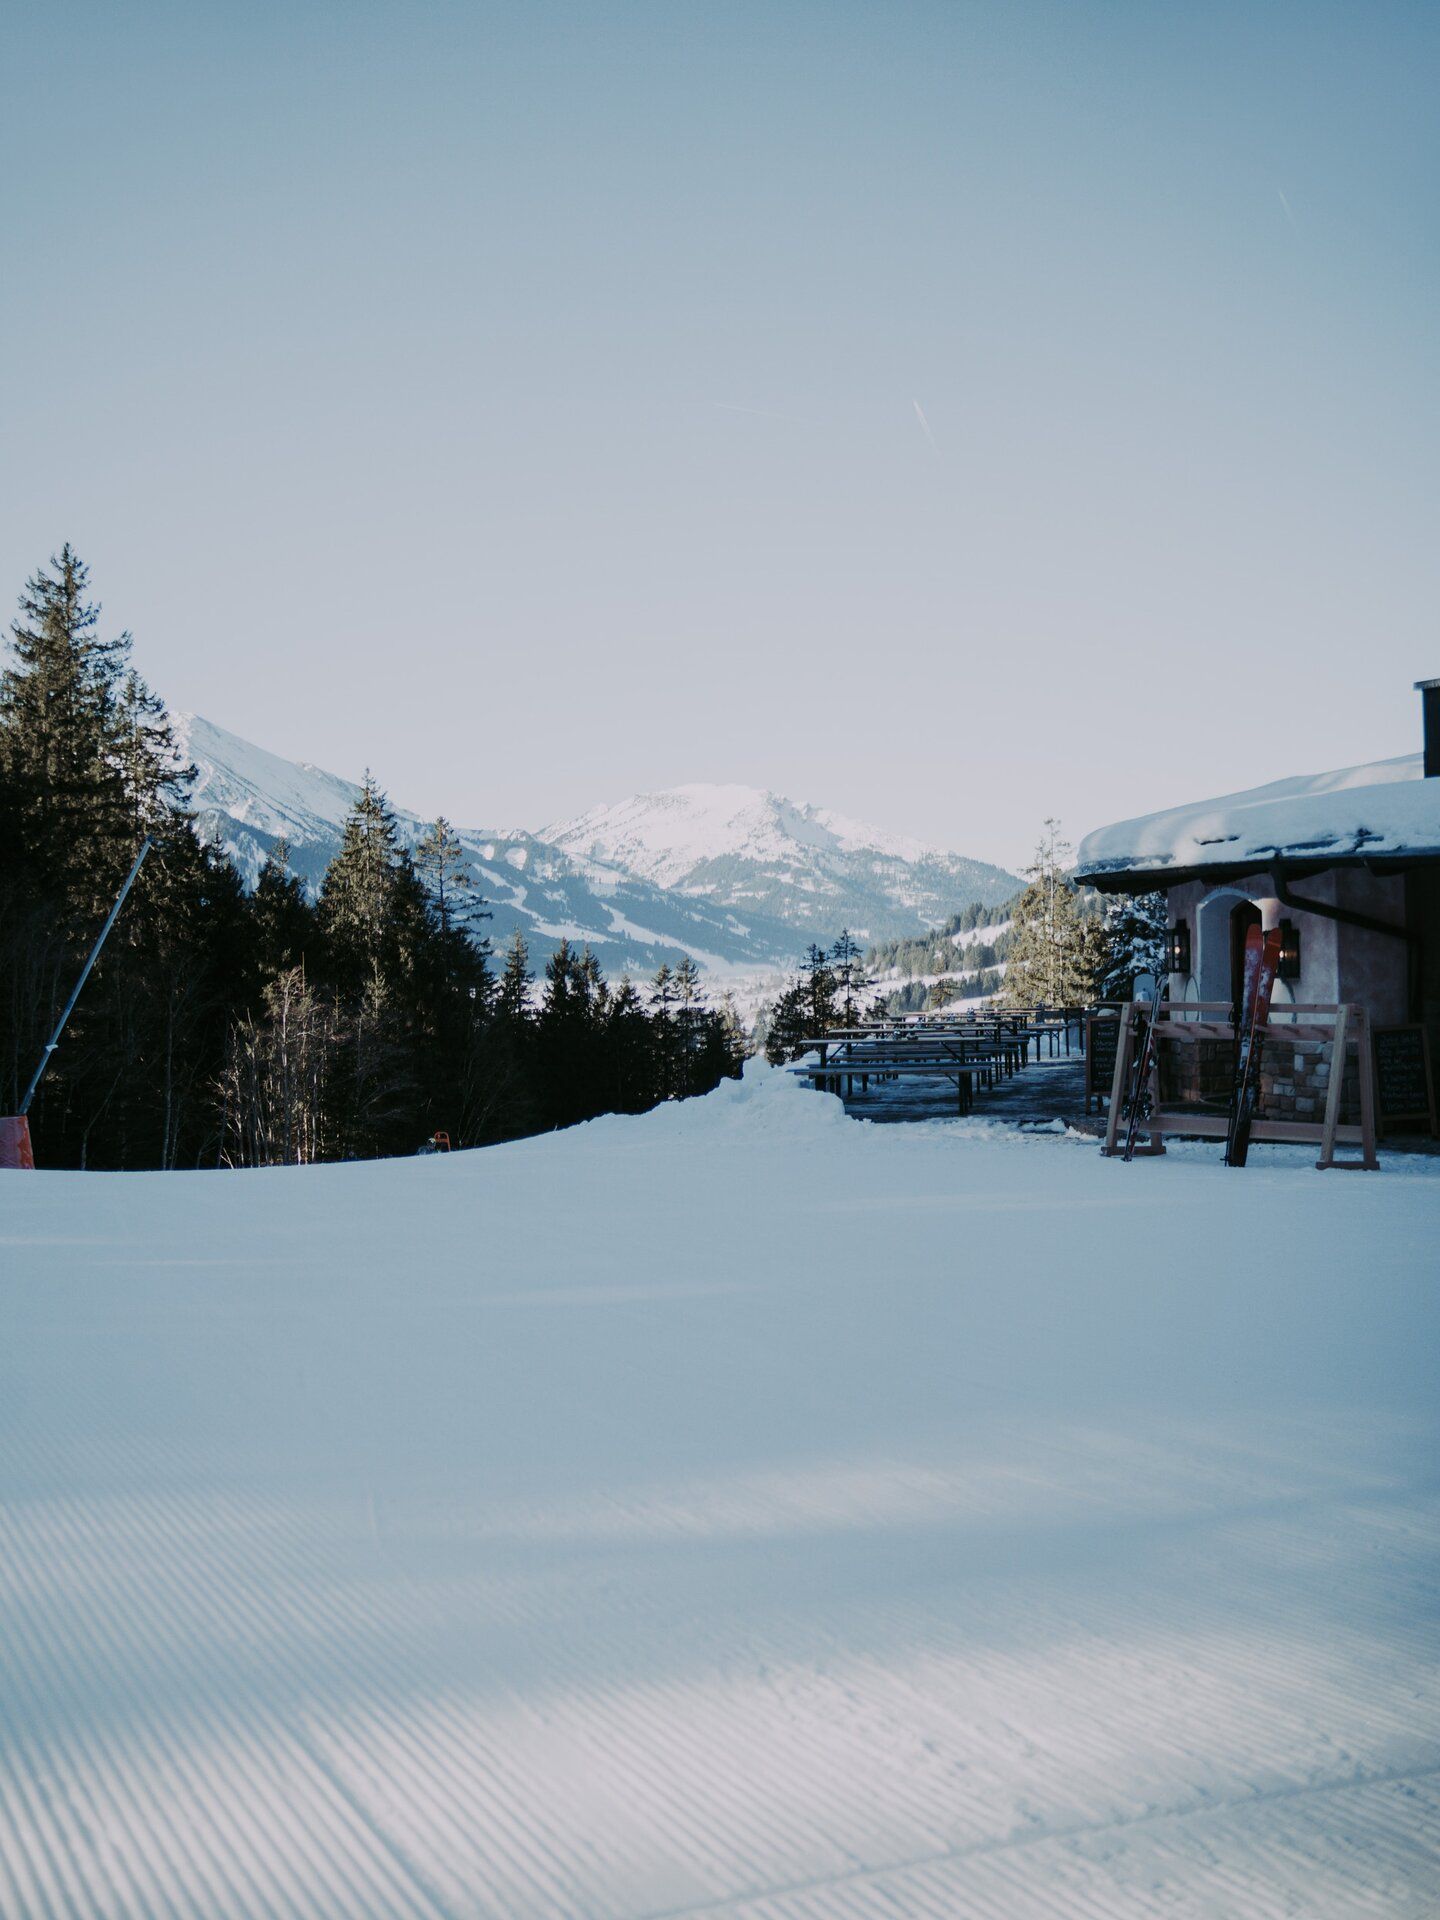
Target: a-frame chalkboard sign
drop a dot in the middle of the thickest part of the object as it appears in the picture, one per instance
(1404, 1081)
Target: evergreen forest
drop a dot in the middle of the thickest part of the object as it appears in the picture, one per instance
(221, 1028)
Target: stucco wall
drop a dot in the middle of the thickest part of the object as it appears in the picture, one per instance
(1336, 962)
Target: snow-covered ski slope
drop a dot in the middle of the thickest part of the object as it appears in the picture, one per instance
(738, 1511)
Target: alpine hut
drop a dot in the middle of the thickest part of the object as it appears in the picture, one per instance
(1345, 864)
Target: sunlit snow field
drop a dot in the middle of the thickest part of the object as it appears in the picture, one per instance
(737, 1511)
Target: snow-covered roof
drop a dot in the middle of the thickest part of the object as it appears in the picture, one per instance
(1384, 811)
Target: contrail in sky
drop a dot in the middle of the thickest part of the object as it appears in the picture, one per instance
(1286, 205)
(924, 425)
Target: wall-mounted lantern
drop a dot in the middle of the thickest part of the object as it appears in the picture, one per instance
(1177, 947)
(1289, 950)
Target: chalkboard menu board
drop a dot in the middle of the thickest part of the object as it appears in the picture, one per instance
(1404, 1086)
(1102, 1042)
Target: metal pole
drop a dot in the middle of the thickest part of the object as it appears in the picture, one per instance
(53, 1042)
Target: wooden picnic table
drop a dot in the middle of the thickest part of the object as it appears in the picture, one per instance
(961, 1070)
(964, 1052)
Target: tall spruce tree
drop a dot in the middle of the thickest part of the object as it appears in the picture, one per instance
(847, 964)
(372, 908)
(155, 782)
(379, 950)
(1056, 952)
(512, 1004)
(689, 1021)
(282, 917)
(662, 1031)
(818, 980)
(90, 766)
(787, 1025)
(58, 706)
(442, 863)
(1135, 930)
(628, 1050)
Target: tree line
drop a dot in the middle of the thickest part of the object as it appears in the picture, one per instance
(1056, 944)
(226, 1028)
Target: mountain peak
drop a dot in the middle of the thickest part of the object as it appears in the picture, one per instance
(757, 850)
(666, 835)
(733, 875)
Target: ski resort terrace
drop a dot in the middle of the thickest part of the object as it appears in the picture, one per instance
(1029, 1067)
(1025, 1065)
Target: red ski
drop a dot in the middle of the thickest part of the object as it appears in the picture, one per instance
(1262, 964)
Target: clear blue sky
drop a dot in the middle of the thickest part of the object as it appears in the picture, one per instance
(522, 399)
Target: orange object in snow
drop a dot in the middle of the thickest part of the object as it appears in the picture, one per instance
(15, 1148)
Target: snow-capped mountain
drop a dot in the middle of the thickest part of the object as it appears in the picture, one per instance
(245, 799)
(738, 879)
(758, 852)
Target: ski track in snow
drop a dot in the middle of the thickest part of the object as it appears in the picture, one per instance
(737, 1511)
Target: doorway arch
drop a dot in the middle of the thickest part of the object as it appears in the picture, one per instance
(1215, 938)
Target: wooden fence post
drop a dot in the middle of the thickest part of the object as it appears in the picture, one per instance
(1123, 1047)
(1332, 1092)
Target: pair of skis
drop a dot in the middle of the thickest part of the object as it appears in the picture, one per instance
(1262, 966)
(1140, 1090)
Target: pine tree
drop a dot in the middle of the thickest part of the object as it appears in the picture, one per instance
(787, 1026)
(847, 962)
(441, 862)
(512, 1005)
(282, 917)
(1136, 926)
(721, 1047)
(383, 956)
(372, 907)
(154, 781)
(90, 766)
(58, 702)
(819, 987)
(1055, 951)
(688, 1019)
(569, 1039)
(595, 989)
(497, 1094)
(662, 1028)
(562, 997)
(628, 1050)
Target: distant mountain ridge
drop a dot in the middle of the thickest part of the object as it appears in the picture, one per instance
(740, 880)
(757, 851)
(245, 799)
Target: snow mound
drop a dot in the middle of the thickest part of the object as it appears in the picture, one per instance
(765, 1103)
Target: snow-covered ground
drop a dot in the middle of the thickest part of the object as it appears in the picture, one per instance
(736, 1511)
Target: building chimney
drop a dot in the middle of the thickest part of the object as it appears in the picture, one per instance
(1429, 692)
